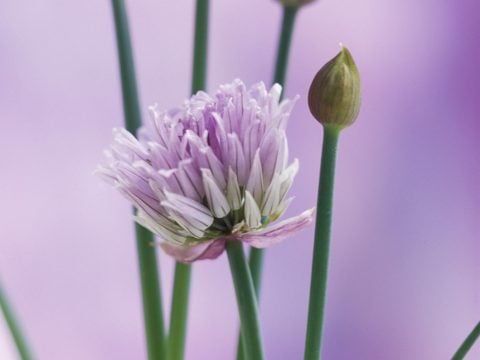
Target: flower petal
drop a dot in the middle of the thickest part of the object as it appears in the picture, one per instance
(216, 200)
(276, 233)
(189, 253)
(253, 218)
(234, 196)
(236, 158)
(271, 199)
(255, 180)
(167, 233)
(189, 207)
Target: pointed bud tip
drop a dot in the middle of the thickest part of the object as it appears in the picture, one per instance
(334, 96)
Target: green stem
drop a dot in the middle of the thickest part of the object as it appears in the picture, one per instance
(150, 283)
(199, 71)
(151, 294)
(288, 22)
(246, 301)
(181, 287)
(283, 51)
(14, 327)
(468, 343)
(179, 312)
(131, 104)
(255, 263)
(318, 285)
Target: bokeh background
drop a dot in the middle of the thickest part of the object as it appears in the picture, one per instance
(405, 262)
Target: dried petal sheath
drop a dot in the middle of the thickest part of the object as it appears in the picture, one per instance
(213, 170)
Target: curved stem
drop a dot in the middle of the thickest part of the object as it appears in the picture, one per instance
(181, 291)
(318, 285)
(468, 343)
(147, 259)
(246, 301)
(179, 312)
(14, 327)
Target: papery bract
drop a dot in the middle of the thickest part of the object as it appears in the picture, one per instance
(213, 170)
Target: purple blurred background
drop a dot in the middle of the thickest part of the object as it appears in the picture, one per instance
(405, 262)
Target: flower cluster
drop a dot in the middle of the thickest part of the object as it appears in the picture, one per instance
(213, 170)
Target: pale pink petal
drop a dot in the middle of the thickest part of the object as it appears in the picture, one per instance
(210, 249)
(276, 233)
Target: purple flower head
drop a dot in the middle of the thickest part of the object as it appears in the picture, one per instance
(213, 170)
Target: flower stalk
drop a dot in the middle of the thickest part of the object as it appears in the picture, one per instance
(147, 259)
(199, 71)
(468, 343)
(283, 50)
(321, 249)
(179, 312)
(334, 100)
(255, 261)
(14, 327)
(181, 287)
(246, 301)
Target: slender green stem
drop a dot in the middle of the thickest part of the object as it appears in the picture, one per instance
(255, 263)
(318, 285)
(179, 312)
(150, 282)
(283, 51)
(468, 343)
(199, 71)
(151, 294)
(14, 327)
(246, 301)
(181, 287)
(131, 104)
(288, 22)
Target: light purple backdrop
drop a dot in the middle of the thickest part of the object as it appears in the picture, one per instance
(405, 260)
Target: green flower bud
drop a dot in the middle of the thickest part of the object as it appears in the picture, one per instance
(295, 3)
(334, 96)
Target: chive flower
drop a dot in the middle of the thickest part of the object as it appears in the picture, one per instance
(213, 170)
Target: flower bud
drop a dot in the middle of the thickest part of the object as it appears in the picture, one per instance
(295, 3)
(334, 96)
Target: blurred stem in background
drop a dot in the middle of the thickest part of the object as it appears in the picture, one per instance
(181, 286)
(14, 327)
(147, 256)
(283, 50)
(468, 343)
(281, 65)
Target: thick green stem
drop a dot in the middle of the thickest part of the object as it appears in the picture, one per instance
(468, 343)
(318, 285)
(281, 65)
(289, 15)
(150, 283)
(14, 327)
(246, 301)
(179, 312)
(181, 287)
